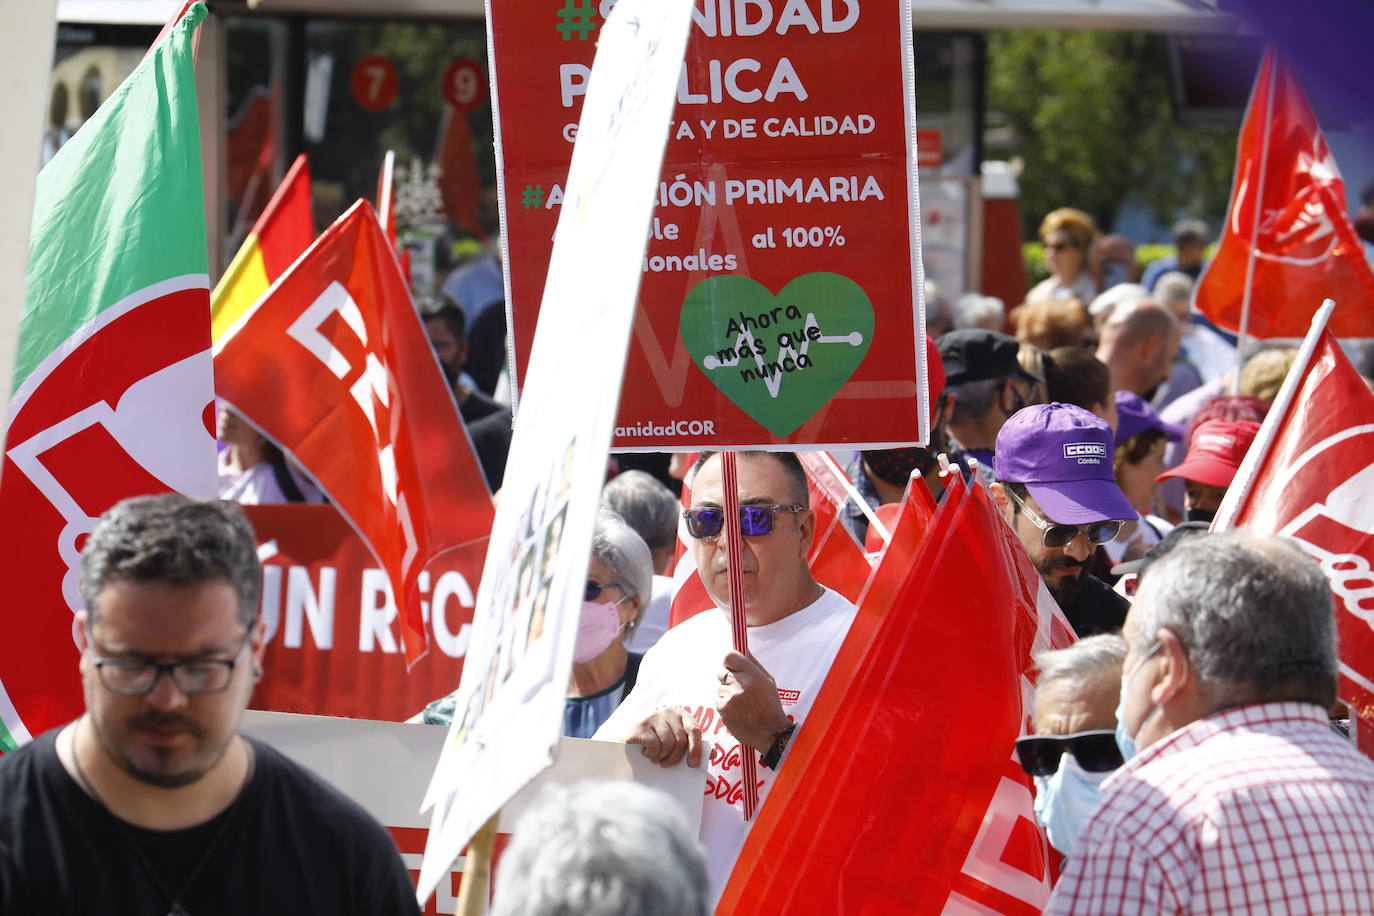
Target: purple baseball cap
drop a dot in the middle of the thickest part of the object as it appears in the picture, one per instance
(1135, 416)
(1063, 455)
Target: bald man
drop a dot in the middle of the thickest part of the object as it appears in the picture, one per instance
(1139, 342)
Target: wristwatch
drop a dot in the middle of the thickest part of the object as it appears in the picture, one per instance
(780, 739)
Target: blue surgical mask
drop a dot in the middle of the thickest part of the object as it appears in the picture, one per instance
(1065, 800)
(1124, 741)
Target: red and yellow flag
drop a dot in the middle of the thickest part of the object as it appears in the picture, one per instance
(283, 232)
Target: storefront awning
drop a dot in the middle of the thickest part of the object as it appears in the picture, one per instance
(943, 15)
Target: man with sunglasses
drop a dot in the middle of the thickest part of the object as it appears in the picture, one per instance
(152, 802)
(692, 685)
(1237, 796)
(1074, 745)
(1057, 490)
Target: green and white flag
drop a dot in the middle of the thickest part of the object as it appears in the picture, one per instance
(113, 385)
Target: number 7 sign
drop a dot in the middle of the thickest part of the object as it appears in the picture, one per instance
(374, 82)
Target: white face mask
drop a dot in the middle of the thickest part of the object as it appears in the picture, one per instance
(1065, 800)
(1124, 741)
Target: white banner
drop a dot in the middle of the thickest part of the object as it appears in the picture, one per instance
(509, 710)
(383, 766)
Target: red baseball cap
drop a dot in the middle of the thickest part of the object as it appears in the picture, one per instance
(1215, 452)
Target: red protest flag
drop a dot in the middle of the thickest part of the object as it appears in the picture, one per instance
(836, 559)
(934, 700)
(333, 365)
(282, 233)
(1288, 241)
(1310, 476)
(460, 181)
(112, 373)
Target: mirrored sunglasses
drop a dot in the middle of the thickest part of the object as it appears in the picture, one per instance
(1095, 751)
(754, 520)
(1054, 536)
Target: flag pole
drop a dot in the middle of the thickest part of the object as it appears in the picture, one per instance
(739, 625)
(1244, 481)
(472, 892)
(1270, 65)
(384, 192)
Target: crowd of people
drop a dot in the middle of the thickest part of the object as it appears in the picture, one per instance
(1188, 752)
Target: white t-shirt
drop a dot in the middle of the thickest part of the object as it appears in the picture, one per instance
(258, 485)
(654, 623)
(682, 670)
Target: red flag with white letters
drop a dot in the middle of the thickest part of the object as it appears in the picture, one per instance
(333, 365)
(901, 793)
(1304, 245)
(1315, 483)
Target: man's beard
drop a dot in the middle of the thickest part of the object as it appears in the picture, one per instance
(202, 761)
(1064, 588)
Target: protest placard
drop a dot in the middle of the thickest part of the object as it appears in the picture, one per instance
(509, 706)
(781, 302)
(333, 633)
(383, 766)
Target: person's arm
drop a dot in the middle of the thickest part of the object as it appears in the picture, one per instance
(1116, 876)
(748, 703)
(668, 735)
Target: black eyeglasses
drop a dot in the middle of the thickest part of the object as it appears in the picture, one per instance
(134, 678)
(1055, 536)
(593, 590)
(1095, 751)
(754, 521)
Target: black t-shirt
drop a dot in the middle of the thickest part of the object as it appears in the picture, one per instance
(478, 405)
(490, 437)
(1096, 609)
(294, 845)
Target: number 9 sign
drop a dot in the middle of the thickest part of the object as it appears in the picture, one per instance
(465, 84)
(374, 82)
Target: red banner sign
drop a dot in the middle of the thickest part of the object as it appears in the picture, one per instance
(333, 637)
(777, 303)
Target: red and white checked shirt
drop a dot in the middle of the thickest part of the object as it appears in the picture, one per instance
(1254, 810)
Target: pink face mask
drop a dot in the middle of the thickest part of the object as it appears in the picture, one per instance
(599, 626)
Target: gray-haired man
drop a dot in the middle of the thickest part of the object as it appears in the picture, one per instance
(1242, 799)
(1074, 746)
(152, 802)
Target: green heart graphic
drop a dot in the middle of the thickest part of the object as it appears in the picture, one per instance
(726, 318)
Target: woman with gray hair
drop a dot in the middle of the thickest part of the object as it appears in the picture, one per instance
(619, 584)
(619, 581)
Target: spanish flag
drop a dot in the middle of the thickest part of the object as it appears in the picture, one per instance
(283, 232)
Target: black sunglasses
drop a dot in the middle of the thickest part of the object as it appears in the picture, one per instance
(1095, 751)
(1055, 536)
(593, 590)
(754, 521)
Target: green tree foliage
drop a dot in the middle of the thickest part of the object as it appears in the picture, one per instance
(1091, 117)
